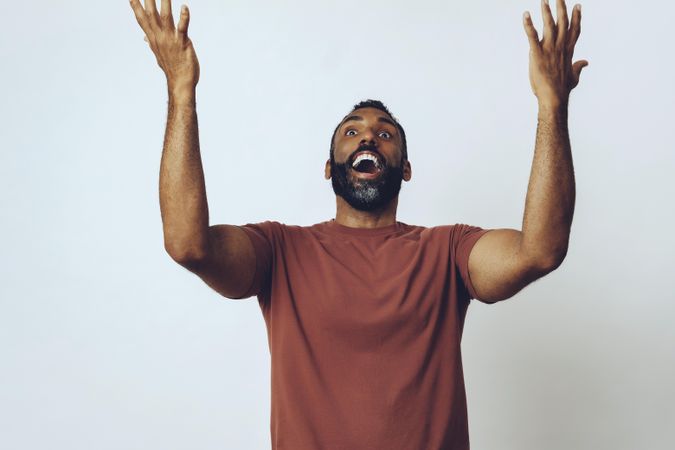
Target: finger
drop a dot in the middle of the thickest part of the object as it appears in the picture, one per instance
(150, 6)
(549, 24)
(563, 22)
(165, 13)
(575, 27)
(151, 13)
(531, 32)
(577, 66)
(576, 71)
(184, 21)
(139, 13)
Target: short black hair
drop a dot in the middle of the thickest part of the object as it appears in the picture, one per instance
(377, 105)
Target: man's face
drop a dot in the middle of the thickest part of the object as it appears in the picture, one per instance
(367, 166)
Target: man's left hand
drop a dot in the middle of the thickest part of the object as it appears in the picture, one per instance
(552, 74)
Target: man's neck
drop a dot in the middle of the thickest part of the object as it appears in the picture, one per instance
(350, 217)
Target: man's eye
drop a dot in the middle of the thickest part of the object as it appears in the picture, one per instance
(350, 133)
(385, 134)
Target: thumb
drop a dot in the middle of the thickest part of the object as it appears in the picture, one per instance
(184, 20)
(576, 68)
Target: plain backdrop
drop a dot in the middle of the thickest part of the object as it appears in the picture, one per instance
(106, 343)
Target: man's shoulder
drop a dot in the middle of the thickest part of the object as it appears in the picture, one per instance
(436, 229)
(278, 228)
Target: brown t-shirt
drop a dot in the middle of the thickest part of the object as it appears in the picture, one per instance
(364, 329)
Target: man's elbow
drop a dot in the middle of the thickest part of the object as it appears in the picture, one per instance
(185, 257)
(548, 263)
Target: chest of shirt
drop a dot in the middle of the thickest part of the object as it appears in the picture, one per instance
(375, 288)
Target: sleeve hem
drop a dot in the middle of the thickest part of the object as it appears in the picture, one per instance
(470, 243)
(251, 290)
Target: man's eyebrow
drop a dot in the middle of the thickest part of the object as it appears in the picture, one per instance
(351, 118)
(387, 120)
(379, 119)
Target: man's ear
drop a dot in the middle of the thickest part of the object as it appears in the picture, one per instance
(407, 170)
(326, 173)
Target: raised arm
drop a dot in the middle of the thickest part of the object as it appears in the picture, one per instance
(504, 261)
(221, 255)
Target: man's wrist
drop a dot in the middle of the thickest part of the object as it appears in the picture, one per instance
(553, 109)
(553, 104)
(182, 92)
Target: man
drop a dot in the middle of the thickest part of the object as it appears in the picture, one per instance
(364, 313)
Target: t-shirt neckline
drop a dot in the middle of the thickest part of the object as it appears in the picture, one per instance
(332, 224)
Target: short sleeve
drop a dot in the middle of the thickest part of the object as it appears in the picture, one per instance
(465, 237)
(261, 237)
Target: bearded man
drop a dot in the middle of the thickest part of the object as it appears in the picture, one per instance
(365, 313)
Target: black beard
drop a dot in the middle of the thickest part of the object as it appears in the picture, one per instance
(366, 195)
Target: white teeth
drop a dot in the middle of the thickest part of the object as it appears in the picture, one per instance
(367, 156)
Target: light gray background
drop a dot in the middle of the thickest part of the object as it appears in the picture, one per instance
(106, 343)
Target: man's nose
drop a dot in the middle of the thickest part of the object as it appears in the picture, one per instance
(368, 137)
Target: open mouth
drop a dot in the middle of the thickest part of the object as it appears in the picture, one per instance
(367, 164)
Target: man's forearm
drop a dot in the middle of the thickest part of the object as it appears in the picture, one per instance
(182, 192)
(549, 205)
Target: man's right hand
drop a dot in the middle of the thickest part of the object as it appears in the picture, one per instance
(171, 45)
